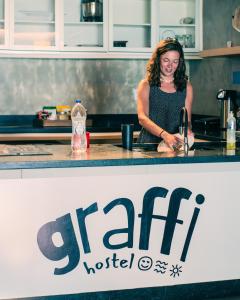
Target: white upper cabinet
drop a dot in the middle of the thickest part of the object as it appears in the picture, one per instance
(33, 24)
(84, 25)
(181, 19)
(138, 25)
(130, 25)
(97, 28)
(3, 30)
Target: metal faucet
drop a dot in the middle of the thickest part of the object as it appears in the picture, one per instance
(183, 129)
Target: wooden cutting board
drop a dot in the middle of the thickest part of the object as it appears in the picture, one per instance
(55, 123)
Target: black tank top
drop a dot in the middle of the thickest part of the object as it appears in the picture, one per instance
(164, 110)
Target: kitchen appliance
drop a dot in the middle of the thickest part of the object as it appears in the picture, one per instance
(92, 10)
(228, 101)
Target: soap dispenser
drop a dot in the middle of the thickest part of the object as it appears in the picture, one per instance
(231, 131)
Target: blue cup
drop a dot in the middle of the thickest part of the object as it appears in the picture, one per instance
(127, 136)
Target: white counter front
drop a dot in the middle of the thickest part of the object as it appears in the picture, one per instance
(75, 230)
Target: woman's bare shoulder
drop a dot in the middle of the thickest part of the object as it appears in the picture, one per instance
(143, 84)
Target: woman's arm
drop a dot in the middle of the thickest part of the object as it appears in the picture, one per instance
(188, 104)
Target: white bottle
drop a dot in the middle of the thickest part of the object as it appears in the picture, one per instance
(78, 116)
(231, 132)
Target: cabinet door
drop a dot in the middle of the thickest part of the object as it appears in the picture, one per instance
(130, 25)
(84, 25)
(180, 19)
(118, 27)
(33, 24)
(4, 24)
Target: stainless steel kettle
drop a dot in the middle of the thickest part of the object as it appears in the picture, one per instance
(92, 10)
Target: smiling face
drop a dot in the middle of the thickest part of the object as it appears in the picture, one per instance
(145, 263)
(169, 62)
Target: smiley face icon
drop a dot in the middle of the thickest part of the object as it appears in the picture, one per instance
(145, 263)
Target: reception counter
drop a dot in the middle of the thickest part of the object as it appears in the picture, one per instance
(117, 224)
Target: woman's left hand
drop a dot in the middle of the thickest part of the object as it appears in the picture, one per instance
(171, 140)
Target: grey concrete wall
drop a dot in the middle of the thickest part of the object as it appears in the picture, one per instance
(211, 74)
(107, 86)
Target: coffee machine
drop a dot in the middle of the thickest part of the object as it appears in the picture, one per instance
(228, 101)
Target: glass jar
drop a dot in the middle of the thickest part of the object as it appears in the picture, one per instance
(188, 41)
(63, 115)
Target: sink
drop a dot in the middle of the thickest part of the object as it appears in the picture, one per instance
(200, 146)
(139, 147)
(208, 146)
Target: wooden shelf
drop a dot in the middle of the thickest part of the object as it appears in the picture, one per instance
(221, 52)
(94, 136)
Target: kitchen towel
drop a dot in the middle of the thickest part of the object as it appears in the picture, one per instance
(163, 147)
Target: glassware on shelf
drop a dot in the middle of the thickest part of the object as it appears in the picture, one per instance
(181, 40)
(188, 41)
(168, 34)
(185, 40)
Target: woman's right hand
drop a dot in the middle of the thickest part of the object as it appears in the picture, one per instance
(170, 140)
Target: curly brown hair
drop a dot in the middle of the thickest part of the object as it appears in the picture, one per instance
(153, 65)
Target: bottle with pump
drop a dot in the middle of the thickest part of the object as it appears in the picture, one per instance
(78, 116)
(231, 132)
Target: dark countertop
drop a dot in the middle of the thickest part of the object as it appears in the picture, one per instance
(110, 155)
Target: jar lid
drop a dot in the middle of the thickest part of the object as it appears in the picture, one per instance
(63, 113)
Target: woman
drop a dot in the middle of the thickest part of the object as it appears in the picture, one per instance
(162, 94)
